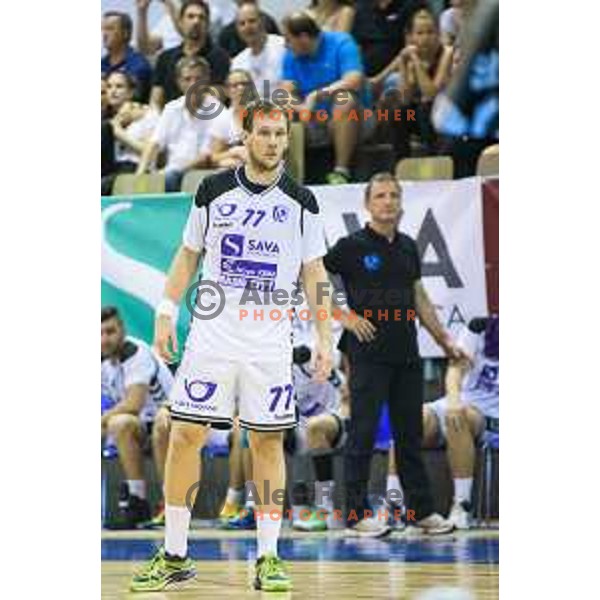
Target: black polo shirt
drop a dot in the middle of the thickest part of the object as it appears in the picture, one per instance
(379, 275)
(165, 70)
(380, 31)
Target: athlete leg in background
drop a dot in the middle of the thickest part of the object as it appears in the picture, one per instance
(160, 445)
(462, 429)
(322, 432)
(237, 480)
(160, 440)
(126, 430)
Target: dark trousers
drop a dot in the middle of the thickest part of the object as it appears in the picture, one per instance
(372, 384)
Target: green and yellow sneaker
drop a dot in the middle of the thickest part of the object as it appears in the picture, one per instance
(271, 575)
(163, 573)
(316, 521)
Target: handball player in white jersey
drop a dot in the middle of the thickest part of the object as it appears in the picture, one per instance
(258, 231)
(468, 411)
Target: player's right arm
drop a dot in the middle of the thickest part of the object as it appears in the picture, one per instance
(183, 269)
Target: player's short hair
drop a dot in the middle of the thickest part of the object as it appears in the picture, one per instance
(301, 22)
(262, 107)
(187, 3)
(380, 178)
(192, 62)
(124, 20)
(110, 312)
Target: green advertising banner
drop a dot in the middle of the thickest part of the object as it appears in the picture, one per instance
(140, 235)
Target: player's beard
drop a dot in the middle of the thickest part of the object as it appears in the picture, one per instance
(266, 167)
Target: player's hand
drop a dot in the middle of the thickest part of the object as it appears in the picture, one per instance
(362, 328)
(322, 364)
(165, 338)
(454, 417)
(454, 352)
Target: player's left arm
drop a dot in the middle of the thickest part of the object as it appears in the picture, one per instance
(429, 319)
(315, 280)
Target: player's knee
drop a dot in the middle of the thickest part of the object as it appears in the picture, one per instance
(186, 435)
(316, 434)
(264, 442)
(430, 427)
(475, 422)
(123, 424)
(162, 424)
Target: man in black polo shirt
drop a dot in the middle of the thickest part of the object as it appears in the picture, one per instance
(381, 271)
(194, 19)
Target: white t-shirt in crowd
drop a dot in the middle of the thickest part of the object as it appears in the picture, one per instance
(139, 130)
(182, 135)
(225, 128)
(265, 66)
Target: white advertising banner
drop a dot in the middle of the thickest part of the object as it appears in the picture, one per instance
(445, 219)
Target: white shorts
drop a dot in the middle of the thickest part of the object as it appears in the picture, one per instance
(206, 388)
(440, 407)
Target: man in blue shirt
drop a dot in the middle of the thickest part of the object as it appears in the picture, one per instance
(324, 71)
(120, 56)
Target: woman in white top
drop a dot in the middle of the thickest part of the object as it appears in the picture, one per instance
(333, 15)
(132, 124)
(225, 135)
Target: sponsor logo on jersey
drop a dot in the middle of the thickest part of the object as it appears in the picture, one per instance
(372, 262)
(232, 244)
(227, 209)
(198, 390)
(280, 213)
(263, 247)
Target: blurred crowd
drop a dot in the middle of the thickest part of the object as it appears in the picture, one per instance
(173, 95)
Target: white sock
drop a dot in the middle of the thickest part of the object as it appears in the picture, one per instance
(462, 489)
(267, 534)
(137, 487)
(177, 523)
(234, 496)
(324, 493)
(343, 170)
(393, 483)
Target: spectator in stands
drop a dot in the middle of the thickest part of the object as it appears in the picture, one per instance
(137, 383)
(106, 136)
(333, 15)
(132, 124)
(379, 27)
(193, 22)
(423, 68)
(451, 22)
(183, 135)
(120, 56)
(226, 146)
(325, 71)
(263, 57)
(469, 410)
(165, 35)
(104, 96)
(229, 38)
